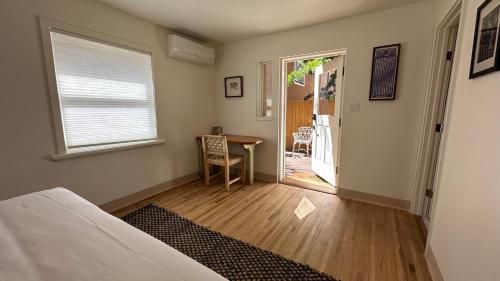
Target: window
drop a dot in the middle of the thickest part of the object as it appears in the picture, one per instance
(105, 92)
(265, 93)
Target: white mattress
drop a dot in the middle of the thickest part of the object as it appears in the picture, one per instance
(57, 235)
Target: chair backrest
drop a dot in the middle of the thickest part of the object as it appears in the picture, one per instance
(214, 145)
(305, 133)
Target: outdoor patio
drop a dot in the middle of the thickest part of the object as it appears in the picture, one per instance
(298, 167)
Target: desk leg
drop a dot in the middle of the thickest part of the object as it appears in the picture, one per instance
(250, 148)
(201, 164)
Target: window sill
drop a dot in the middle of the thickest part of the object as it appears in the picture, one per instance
(99, 149)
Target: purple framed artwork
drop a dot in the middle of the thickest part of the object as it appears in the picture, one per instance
(486, 48)
(385, 64)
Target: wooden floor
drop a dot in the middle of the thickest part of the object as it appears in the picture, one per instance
(350, 240)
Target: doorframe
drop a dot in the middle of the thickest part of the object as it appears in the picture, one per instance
(282, 105)
(431, 108)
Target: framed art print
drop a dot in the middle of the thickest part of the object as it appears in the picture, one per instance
(485, 51)
(385, 64)
(233, 86)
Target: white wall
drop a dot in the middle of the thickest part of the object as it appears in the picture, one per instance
(184, 98)
(379, 143)
(465, 231)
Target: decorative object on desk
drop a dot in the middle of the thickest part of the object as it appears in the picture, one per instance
(486, 48)
(233, 86)
(217, 131)
(385, 64)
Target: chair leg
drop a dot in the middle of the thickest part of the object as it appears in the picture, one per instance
(226, 176)
(207, 174)
(244, 172)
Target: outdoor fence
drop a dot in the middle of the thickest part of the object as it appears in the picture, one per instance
(299, 114)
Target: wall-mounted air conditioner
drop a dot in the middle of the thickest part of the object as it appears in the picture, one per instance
(187, 50)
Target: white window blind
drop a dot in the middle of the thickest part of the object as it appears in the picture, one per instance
(106, 92)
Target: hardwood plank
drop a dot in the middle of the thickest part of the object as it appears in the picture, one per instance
(347, 239)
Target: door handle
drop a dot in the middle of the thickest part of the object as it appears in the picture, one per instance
(314, 117)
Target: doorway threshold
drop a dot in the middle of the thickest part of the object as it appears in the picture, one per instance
(325, 188)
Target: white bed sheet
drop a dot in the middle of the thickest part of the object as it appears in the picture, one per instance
(56, 235)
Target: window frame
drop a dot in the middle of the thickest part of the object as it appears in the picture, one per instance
(260, 90)
(62, 151)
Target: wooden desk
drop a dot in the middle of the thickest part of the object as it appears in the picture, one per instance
(247, 142)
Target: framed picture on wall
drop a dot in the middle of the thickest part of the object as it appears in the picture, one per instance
(486, 48)
(385, 64)
(233, 86)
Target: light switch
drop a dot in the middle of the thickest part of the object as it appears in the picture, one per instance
(354, 107)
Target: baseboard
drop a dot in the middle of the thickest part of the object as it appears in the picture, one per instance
(123, 202)
(265, 177)
(374, 199)
(433, 265)
(422, 227)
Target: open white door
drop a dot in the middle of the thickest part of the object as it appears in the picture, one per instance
(326, 124)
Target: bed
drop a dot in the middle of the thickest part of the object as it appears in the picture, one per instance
(57, 235)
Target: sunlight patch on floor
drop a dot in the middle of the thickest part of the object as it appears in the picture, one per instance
(304, 208)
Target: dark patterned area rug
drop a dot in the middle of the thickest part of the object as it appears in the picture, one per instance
(231, 258)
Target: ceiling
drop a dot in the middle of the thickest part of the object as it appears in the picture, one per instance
(222, 21)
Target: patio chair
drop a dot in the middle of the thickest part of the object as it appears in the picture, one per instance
(215, 152)
(303, 136)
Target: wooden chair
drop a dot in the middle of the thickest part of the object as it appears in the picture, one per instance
(215, 152)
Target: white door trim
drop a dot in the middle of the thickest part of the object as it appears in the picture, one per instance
(282, 104)
(431, 108)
